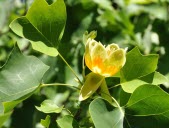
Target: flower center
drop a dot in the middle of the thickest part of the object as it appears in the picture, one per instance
(96, 69)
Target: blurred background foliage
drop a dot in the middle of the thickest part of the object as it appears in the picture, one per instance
(129, 23)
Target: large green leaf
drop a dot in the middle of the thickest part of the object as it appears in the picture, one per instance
(138, 65)
(138, 70)
(18, 78)
(148, 104)
(154, 78)
(104, 115)
(67, 122)
(43, 25)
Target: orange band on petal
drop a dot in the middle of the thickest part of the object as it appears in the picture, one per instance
(105, 61)
(97, 62)
(110, 71)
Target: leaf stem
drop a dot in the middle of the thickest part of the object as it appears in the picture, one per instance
(58, 84)
(121, 110)
(68, 111)
(70, 68)
(83, 68)
(116, 102)
(114, 86)
(105, 92)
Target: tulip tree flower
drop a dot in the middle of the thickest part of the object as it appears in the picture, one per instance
(103, 61)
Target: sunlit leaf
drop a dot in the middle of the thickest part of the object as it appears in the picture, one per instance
(160, 13)
(138, 65)
(43, 23)
(141, 1)
(67, 122)
(4, 117)
(46, 121)
(137, 68)
(154, 78)
(39, 46)
(106, 4)
(148, 104)
(49, 106)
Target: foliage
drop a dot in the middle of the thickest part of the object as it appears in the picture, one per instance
(47, 67)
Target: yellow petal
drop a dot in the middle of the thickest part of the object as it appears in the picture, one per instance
(103, 61)
(110, 70)
(111, 48)
(97, 50)
(117, 58)
(95, 55)
(87, 56)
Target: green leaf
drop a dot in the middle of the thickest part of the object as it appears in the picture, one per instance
(87, 35)
(154, 78)
(124, 97)
(138, 65)
(9, 105)
(5, 7)
(91, 84)
(46, 121)
(106, 4)
(139, 70)
(20, 77)
(67, 122)
(105, 92)
(160, 12)
(141, 1)
(148, 104)
(4, 117)
(84, 25)
(39, 46)
(43, 23)
(49, 106)
(105, 115)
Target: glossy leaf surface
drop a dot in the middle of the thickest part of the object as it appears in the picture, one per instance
(148, 104)
(138, 70)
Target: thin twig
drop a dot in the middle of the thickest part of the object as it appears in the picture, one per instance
(114, 86)
(121, 110)
(59, 84)
(70, 68)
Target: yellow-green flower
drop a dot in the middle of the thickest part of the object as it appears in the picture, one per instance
(105, 61)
